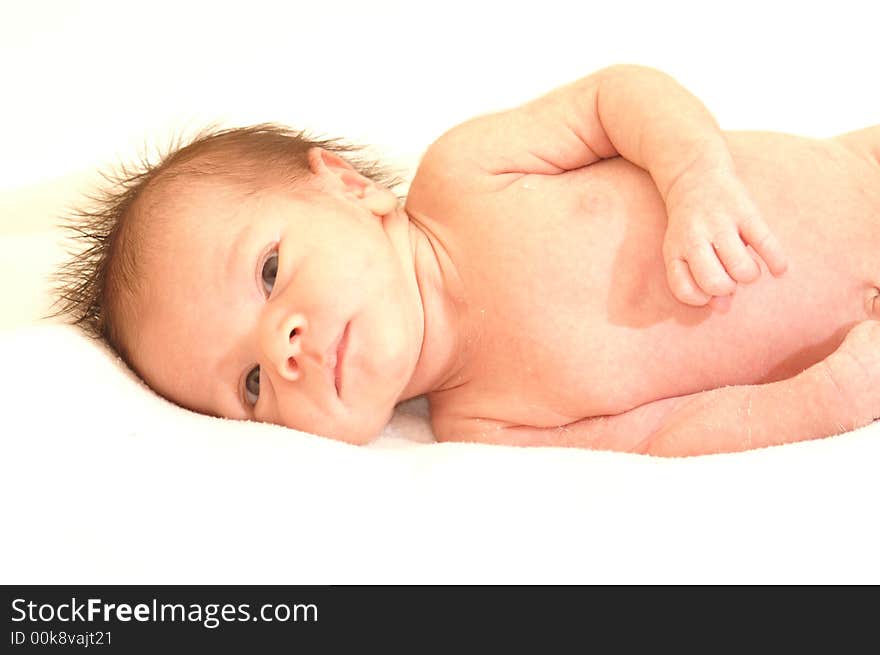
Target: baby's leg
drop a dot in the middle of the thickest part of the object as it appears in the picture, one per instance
(838, 394)
(855, 369)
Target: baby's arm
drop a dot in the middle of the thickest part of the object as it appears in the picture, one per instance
(649, 119)
(837, 394)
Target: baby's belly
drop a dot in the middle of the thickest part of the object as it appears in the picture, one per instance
(581, 317)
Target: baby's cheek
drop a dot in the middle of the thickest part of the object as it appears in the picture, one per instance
(299, 414)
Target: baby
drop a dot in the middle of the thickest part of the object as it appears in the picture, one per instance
(601, 267)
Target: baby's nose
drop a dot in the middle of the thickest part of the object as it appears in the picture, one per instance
(282, 344)
(288, 367)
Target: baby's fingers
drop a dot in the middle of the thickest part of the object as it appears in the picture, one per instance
(708, 272)
(682, 283)
(756, 233)
(736, 258)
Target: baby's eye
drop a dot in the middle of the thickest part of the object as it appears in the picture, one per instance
(270, 268)
(252, 385)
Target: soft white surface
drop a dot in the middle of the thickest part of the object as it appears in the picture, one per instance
(101, 481)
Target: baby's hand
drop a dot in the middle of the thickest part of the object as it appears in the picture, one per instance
(712, 220)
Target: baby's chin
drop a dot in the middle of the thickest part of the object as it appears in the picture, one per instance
(357, 436)
(368, 397)
(356, 428)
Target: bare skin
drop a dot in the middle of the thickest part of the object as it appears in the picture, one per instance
(614, 342)
(602, 268)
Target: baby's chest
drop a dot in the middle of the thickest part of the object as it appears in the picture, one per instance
(535, 373)
(542, 265)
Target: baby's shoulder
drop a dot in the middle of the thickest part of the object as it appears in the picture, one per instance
(450, 420)
(454, 177)
(449, 165)
(864, 142)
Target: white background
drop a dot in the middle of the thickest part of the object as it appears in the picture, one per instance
(86, 84)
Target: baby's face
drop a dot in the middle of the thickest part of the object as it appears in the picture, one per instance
(291, 308)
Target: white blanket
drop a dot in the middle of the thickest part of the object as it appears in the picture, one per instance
(103, 481)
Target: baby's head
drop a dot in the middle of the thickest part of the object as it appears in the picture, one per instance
(255, 274)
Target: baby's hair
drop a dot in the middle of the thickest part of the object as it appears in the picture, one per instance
(95, 288)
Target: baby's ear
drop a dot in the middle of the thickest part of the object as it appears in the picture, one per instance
(339, 175)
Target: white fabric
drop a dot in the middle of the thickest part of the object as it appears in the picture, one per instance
(103, 481)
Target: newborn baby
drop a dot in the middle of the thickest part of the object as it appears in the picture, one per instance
(601, 267)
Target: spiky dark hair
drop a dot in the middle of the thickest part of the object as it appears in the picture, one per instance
(92, 286)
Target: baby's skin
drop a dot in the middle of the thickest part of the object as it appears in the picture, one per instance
(602, 267)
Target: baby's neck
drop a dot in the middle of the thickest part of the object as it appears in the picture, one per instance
(442, 353)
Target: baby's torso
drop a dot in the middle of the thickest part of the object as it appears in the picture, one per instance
(567, 295)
